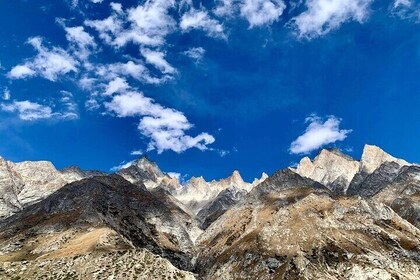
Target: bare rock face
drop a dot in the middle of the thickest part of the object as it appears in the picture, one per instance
(379, 179)
(40, 179)
(148, 173)
(402, 194)
(11, 183)
(330, 168)
(198, 193)
(258, 181)
(225, 200)
(290, 228)
(74, 173)
(235, 190)
(138, 216)
(24, 183)
(331, 218)
(373, 157)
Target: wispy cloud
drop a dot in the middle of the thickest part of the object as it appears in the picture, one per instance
(195, 53)
(6, 94)
(32, 111)
(148, 23)
(116, 85)
(165, 127)
(318, 134)
(322, 16)
(82, 44)
(27, 110)
(406, 9)
(157, 59)
(201, 20)
(137, 152)
(256, 12)
(48, 63)
(262, 12)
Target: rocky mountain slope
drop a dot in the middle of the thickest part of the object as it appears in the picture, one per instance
(330, 218)
(330, 168)
(292, 228)
(138, 216)
(198, 194)
(25, 183)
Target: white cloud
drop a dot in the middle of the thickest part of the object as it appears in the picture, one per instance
(92, 104)
(225, 8)
(256, 12)
(262, 12)
(402, 3)
(86, 83)
(148, 24)
(116, 85)
(6, 94)
(318, 134)
(406, 9)
(195, 53)
(70, 111)
(137, 153)
(122, 165)
(20, 72)
(96, 1)
(200, 19)
(32, 111)
(28, 111)
(107, 28)
(151, 22)
(82, 42)
(165, 127)
(130, 69)
(322, 16)
(48, 64)
(157, 59)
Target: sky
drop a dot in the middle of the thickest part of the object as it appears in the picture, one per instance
(207, 87)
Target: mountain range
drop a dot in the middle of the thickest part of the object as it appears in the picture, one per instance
(332, 217)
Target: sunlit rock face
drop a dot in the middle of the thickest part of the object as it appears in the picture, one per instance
(148, 173)
(197, 193)
(330, 168)
(330, 218)
(373, 157)
(25, 183)
(290, 227)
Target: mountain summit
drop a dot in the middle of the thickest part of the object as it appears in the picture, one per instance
(330, 218)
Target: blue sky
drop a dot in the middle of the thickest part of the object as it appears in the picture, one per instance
(206, 87)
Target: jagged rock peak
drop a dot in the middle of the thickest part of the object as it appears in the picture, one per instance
(73, 168)
(235, 178)
(196, 181)
(338, 152)
(144, 161)
(373, 157)
(331, 168)
(258, 181)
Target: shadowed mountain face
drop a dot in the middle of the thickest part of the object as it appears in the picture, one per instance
(331, 218)
(218, 206)
(137, 215)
